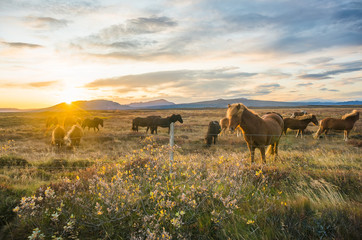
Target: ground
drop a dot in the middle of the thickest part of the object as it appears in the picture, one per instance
(311, 191)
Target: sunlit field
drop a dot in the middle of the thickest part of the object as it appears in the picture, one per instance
(120, 184)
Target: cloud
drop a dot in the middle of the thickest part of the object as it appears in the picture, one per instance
(329, 90)
(267, 88)
(320, 60)
(21, 45)
(30, 85)
(304, 84)
(169, 77)
(41, 84)
(328, 74)
(45, 23)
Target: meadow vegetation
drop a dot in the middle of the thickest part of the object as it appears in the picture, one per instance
(120, 184)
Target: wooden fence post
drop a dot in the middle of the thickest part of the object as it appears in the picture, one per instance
(172, 143)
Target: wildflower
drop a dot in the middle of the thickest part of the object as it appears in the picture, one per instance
(16, 209)
(258, 173)
(250, 222)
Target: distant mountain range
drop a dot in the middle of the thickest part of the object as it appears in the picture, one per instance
(164, 104)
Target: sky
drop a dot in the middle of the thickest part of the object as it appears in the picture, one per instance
(54, 51)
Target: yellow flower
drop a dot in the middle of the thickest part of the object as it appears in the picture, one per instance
(258, 173)
(250, 222)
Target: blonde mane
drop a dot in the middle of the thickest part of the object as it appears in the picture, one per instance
(354, 113)
(237, 109)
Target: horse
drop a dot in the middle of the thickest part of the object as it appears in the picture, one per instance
(224, 123)
(92, 123)
(143, 122)
(258, 131)
(346, 123)
(298, 114)
(74, 135)
(299, 123)
(212, 131)
(165, 122)
(58, 135)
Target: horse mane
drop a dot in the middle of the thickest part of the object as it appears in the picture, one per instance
(305, 117)
(237, 108)
(354, 113)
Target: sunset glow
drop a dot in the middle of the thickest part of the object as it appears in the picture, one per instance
(182, 51)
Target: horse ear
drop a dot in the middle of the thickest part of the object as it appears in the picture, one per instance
(238, 106)
(229, 105)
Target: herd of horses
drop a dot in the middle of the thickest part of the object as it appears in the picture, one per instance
(266, 131)
(76, 128)
(258, 132)
(153, 122)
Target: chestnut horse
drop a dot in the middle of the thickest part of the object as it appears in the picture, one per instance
(299, 123)
(346, 123)
(258, 131)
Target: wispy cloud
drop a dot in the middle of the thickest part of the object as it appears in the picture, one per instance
(45, 23)
(154, 78)
(21, 45)
(29, 85)
(329, 74)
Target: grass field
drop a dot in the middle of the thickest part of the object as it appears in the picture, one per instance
(119, 184)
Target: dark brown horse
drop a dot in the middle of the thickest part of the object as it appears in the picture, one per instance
(143, 122)
(212, 132)
(299, 123)
(92, 123)
(165, 122)
(346, 123)
(258, 132)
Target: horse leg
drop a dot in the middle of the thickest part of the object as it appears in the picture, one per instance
(215, 137)
(252, 152)
(346, 133)
(297, 133)
(301, 133)
(262, 153)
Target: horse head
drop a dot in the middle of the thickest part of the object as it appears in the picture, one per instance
(314, 120)
(234, 113)
(176, 117)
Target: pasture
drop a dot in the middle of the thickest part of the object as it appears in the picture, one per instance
(119, 184)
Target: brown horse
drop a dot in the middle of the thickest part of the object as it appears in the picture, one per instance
(143, 122)
(258, 131)
(299, 123)
(298, 114)
(346, 123)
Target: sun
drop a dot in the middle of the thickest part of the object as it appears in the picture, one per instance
(71, 95)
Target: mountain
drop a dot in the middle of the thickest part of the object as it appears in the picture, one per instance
(10, 110)
(85, 106)
(164, 104)
(222, 103)
(155, 103)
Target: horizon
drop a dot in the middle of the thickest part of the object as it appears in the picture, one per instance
(133, 103)
(181, 51)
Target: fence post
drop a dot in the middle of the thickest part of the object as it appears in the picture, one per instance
(172, 143)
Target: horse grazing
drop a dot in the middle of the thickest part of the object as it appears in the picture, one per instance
(143, 122)
(58, 135)
(298, 114)
(165, 122)
(92, 123)
(74, 135)
(51, 121)
(299, 123)
(346, 123)
(212, 131)
(258, 131)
